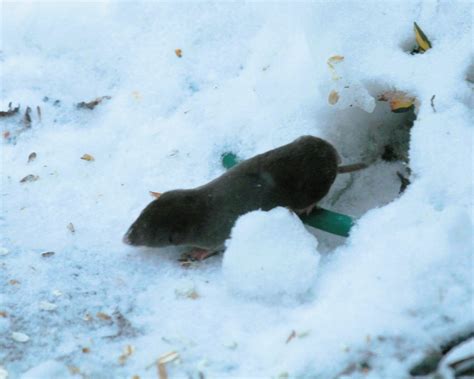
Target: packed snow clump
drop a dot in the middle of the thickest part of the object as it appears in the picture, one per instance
(270, 254)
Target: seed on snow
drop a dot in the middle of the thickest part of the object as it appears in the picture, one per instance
(20, 337)
(47, 306)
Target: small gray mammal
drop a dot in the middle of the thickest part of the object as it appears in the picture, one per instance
(296, 176)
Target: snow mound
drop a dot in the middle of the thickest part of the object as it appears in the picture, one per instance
(270, 255)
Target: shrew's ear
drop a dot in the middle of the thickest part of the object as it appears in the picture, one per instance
(156, 195)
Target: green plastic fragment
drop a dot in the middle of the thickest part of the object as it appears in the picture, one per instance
(229, 160)
(329, 221)
(319, 218)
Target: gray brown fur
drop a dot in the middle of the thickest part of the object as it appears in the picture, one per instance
(296, 176)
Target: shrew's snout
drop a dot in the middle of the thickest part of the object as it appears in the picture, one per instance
(126, 237)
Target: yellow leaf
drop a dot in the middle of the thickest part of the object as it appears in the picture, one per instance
(88, 157)
(127, 352)
(103, 316)
(335, 59)
(399, 101)
(179, 53)
(331, 62)
(421, 39)
(333, 97)
(401, 104)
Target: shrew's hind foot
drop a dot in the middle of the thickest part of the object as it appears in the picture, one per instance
(195, 255)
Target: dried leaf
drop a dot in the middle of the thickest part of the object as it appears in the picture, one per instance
(135, 377)
(103, 316)
(291, 336)
(3, 314)
(156, 195)
(6, 134)
(334, 60)
(10, 112)
(47, 254)
(168, 357)
(88, 157)
(421, 39)
(20, 337)
(31, 157)
(333, 97)
(399, 101)
(3, 373)
(13, 282)
(47, 306)
(27, 118)
(93, 103)
(71, 228)
(127, 352)
(162, 374)
(179, 53)
(4, 251)
(29, 178)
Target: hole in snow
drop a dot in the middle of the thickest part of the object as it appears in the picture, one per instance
(380, 138)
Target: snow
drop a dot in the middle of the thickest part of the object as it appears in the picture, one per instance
(251, 77)
(270, 255)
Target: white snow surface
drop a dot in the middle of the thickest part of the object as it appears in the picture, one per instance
(271, 256)
(252, 77)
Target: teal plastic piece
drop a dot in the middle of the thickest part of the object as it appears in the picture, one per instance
(320, 218)
(329, 221)
(229, 160)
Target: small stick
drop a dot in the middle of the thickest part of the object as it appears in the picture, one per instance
(432, 103)
(38, 110)
(351, 168)
(27, 118)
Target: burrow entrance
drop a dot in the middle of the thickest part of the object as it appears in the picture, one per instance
(381, 138)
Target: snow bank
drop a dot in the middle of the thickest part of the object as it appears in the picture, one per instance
(251, 77)
(270, 255)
